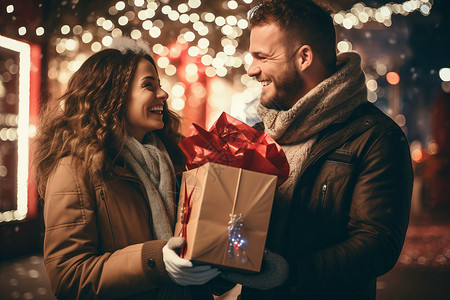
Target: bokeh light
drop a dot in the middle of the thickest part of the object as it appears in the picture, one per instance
(393, 78)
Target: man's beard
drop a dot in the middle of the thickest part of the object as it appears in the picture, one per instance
(287, 89)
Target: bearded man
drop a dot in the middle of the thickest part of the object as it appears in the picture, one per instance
(340, 219)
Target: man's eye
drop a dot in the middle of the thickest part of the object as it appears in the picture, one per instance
(261, 58)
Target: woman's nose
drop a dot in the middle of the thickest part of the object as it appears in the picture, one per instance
(162, 94)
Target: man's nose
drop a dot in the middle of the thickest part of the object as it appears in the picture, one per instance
(254, 69)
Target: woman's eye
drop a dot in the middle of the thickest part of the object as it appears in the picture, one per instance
(147, 85)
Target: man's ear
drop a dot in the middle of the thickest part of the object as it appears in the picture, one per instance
(304, 57)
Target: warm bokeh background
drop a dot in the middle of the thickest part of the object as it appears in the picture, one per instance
(201, 50)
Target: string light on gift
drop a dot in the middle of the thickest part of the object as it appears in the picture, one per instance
(236, 241)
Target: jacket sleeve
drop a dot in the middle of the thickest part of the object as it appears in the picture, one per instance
(74, 265)
(378, 220)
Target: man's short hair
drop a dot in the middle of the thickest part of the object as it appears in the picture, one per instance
(304, 21)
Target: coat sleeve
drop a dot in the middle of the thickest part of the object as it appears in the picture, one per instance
(74, 265)
(378, 220)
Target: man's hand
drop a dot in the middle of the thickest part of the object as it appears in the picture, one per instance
(275, 271)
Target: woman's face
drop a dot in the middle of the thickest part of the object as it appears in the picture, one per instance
(145, 106)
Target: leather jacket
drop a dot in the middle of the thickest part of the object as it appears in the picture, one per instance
(349, 213)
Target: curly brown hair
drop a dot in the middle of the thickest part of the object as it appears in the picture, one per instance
(89, 120)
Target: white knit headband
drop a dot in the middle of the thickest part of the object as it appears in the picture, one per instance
(125, 44)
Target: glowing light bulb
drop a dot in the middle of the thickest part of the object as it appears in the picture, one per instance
(209, 17)
(108, 25)
(158, 49)
(189, 36)
(136, 34)
(178, 90)
(155, 32)
(22, 30)
(87, 37)
(372, 85)
(393, 78)
(170, 70)
(191, 69)
(177, 104)
(107, 41)
(120, 5)
(182, 8)
(194, 3)
(123, 20)
(96, 46)
(65, 29)
(232, 4)
(444, 74)
(163, 62)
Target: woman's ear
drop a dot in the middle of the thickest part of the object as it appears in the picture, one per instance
(304, 58)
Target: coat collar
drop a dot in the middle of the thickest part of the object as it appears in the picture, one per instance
(358, 123)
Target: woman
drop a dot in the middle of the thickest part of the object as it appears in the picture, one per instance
(104, 158)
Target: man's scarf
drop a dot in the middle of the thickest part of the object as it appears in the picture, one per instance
(332, 101)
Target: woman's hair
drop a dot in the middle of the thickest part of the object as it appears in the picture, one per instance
(89, 120)
(305, 22)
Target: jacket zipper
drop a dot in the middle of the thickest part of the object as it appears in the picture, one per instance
(323, 191)
(109, 219)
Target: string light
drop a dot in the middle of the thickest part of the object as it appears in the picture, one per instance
(393, 78)
(360, 14)
(21, 132)
(201, 30)
(230, 26)
(444, 74)
(10, 9)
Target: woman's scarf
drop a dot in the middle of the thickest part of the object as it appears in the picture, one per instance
(153, 166)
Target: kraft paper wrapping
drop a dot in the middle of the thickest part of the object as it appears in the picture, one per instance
(219, 191)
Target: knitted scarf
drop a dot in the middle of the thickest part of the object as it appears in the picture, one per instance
(153, 167)
(331, 101)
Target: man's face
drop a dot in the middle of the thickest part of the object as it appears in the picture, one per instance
(274, 66)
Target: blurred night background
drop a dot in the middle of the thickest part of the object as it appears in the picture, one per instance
(201, 48)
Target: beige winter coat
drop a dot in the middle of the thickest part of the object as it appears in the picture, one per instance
(98, 240)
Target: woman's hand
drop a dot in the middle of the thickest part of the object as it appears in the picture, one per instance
(181, 270)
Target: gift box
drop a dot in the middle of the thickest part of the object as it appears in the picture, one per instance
(226, 196)
(224, 215)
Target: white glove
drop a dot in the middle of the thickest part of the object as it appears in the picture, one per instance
(181, 270)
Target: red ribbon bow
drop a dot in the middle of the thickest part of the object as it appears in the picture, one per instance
(233, 143)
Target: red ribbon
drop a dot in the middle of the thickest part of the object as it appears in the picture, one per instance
(233, 143)
(185, 216)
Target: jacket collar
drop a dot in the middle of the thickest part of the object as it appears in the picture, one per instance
(358, 123)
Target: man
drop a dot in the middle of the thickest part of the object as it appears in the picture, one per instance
(340, 219)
